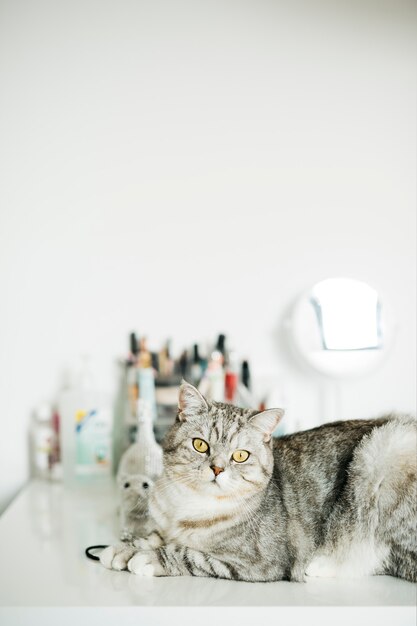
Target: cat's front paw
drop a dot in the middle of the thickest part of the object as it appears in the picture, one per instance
(117, 557)
(145, 563)
(152, 541)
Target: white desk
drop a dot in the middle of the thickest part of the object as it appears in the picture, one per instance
(43, 535)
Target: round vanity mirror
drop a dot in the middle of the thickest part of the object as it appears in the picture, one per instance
(339, 327)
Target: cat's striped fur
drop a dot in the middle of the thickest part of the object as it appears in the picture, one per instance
(338, 500)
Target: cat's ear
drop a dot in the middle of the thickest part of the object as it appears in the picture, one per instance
(190, 402)
(267, 421)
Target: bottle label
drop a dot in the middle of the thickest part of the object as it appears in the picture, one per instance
(93, 442)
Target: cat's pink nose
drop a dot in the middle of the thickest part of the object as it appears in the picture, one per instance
(217, 470)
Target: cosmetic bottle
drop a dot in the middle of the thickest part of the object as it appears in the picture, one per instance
(204, 361)
(132, 389)
(56, 465)
(183, 364)
(43, 441)
(221, 347)
(144, 357)
(166, 364)
(245, 375)
(196, 370)
(155, 361)
(231, 378)
(86, 426)
(215, 377)
(134, 347)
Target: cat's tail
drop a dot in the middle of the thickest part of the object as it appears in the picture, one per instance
(385, 468)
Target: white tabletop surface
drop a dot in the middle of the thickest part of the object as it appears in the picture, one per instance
(44, 532)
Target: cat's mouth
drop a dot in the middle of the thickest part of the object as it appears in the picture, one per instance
(218, 482)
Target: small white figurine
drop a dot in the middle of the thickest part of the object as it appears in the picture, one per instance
(134, 492)
(139, 466)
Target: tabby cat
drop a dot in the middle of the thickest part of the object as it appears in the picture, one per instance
(338, 500)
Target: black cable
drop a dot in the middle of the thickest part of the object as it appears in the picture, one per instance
(93, 556)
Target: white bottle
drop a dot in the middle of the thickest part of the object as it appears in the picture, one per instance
(146, 384)
(43, 436)
(148, 451)
(86, 430)
(215, 375)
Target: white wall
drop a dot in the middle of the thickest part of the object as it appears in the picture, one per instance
(184, 168)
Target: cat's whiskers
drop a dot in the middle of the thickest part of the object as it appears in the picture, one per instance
(165, 485)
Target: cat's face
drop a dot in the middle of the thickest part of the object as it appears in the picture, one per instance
(219, 449)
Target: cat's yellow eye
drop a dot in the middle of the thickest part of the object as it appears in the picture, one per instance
(200, 445)
(240, 456)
